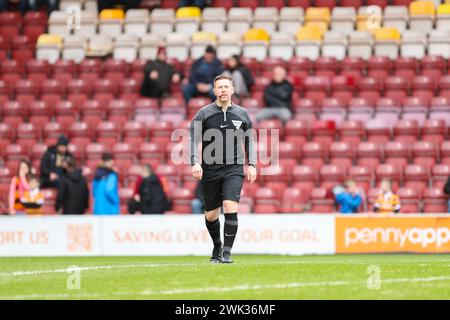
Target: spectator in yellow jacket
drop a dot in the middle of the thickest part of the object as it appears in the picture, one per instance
(387, 201)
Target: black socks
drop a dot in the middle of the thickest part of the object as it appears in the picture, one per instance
(214, 231)
(230, 230)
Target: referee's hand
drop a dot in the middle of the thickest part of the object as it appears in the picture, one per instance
(251, 175)
(197, 171)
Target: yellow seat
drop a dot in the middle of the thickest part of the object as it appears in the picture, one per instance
(189, 13)
(387, 34)
(49, 40)
(443, 8)
(204, 36)
(321, 25)
(112, 14)
(309, 33)
(316, 13)
(255, 34)
(417, 8)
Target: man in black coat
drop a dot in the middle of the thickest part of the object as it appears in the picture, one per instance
(150, 197)
(158, 75)
(277, 97)
(52, 163)
(73, 191)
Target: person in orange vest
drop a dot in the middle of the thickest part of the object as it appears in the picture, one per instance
(33, 199)
(387, 201)
(19, 184)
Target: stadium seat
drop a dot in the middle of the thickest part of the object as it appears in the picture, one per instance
(396, 17)
(425, 153)
(290, 18)
(49, 47)
(406, 131)
(343, 19)
(439, 175)
(137, 22)
(266, 201)
(422, 15)
(308, 44)
(410, 200)
(434, 130)
(111, 21)
(435, 200)
(266, 18)
(321, 201)
(255, 43)
(414, 44)
(416, 177)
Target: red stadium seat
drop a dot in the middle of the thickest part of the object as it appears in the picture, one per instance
(294, 200)
(331, 175)
(321, 201)
(410, 200)
(416, 177)
(434, 130)
(314, 154)
(266, 201)
(388, 171)
(425, 153)
(406, 131)
(299, 3)
(435, 201)
(108, 133)
(134, 133)
(439, 175)
(362, 175)
(95, 150)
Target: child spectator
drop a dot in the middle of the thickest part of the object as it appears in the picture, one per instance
(349, 199)
(387, 201)
(33, 199)
(105, 188)
(18, 186)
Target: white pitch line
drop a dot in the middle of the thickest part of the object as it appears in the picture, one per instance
(217, 289)
(155, 265)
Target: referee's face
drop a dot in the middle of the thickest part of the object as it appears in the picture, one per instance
(223, 89)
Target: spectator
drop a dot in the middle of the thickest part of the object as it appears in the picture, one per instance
(33, 199)
(447, 191)
(105, 188)
(197, 202)
(202, 75)
(348, 198)
(18, 186)
(52, 163)
(277, 97)
(241, 75)
(158, 75)
(387, 201)
(149, 195)
(73, 191)
(192, 3)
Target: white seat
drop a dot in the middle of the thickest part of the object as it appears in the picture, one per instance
(308, 49)
(229, 44)
(360, 44)
(65, 5)
(343, 19)
(90, 5)
(149, 46)
(282, 45)
(334, 44)
(266, 18)
(422, 23)
(49, 52)
(256, 49)
(443, 21)
(414, 44)
(239, 20)
(439, 43)
(74, 48)
(290, 19)
(214, 20)
(396, 17)
(57, 23)
(88, 26)
(126, 47)
(162, 21)
(110, 27)
(99, 46)
(177, 45)
(137, 21)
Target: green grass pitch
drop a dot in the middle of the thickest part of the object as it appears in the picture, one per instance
(250, 277)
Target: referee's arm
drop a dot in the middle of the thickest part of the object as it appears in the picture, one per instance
(195, 136)
(250, 150)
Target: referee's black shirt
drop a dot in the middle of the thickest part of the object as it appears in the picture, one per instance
(224, 135)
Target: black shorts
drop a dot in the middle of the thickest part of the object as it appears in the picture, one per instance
(220, 186)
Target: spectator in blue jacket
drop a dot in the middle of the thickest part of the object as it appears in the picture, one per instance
(348, 198)
(201, 77)
(105, 188)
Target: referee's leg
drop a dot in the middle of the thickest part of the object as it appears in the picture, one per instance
(230, 229)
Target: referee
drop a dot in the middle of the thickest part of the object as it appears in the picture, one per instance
(225, 131)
